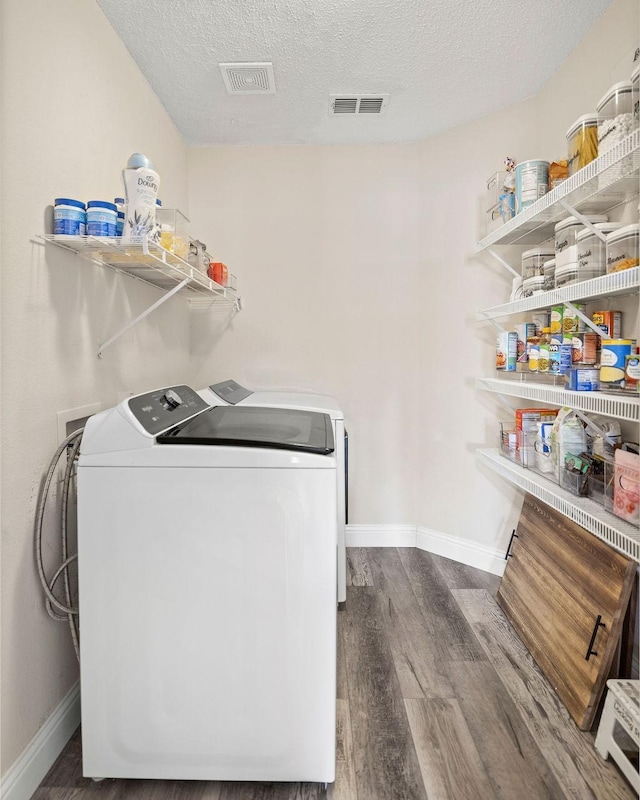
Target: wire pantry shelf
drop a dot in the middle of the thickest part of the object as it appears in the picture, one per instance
(608, 181)
(621, 535)
(151, 263)
(626, 281)
(618, 405)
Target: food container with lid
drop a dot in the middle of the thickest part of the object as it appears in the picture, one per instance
(565, 238)
(174, 231)
(582, 142)
(549, 272)
(592, 260)
(533, 285)
(623, 247)
(566, 275)
(534, 260)
(615, 116)
(635, 94)
(532, 182)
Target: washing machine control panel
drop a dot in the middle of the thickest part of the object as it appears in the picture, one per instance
(160, 410)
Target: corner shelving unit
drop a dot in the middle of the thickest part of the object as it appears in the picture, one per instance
(609, 181)
(152, 264)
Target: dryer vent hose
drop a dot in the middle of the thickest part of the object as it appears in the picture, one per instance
(60, 610)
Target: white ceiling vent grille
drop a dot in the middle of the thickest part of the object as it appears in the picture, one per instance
(358, 104)
(249, 78)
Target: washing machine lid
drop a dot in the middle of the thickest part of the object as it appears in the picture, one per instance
(248, 426)
(231, 392)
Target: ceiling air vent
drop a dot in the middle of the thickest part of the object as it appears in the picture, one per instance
(248, 78)
(358, 104)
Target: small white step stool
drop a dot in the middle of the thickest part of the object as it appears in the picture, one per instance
(622, 706)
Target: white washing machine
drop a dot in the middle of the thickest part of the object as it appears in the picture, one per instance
(207, 574)
(230, 392)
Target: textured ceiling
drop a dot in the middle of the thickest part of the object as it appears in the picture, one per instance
(443, 63)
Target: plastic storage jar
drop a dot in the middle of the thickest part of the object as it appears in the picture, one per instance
(592, 250)
(69, 217)
(565, 233)
(534, 260)
(566, 275)
(549, 272)
(623, 247)
(615, 116)
(533, 285)
(582, 142)
(102, 218)
(532, 182)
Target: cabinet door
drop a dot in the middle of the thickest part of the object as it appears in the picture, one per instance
(566, 592)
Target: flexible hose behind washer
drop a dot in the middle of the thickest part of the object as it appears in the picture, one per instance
(52, 603)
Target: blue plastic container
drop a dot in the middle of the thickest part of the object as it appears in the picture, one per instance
(102, 218)
(69, 217)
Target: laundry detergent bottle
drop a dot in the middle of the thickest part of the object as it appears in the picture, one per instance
(141, 184)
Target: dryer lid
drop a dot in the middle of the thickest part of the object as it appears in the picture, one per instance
(253, 426)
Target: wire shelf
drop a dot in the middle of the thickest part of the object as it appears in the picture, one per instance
(608, 181)
(610, 405)
(626, 281)
(150, 263)
(621, 535)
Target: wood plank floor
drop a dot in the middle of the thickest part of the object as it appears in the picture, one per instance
(437, 700)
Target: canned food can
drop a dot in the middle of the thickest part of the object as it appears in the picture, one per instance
(632, 372)
(584, 347)
(612, 360)
(571, 322)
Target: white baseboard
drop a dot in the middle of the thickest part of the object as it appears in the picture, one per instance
(24, 777)
(440, 544)
(462, 550)
(380, 535)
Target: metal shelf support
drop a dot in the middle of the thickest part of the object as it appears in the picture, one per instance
(144, 314)
(505, 264)
(582, 219)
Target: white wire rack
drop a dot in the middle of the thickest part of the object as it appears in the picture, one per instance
(621, 535)
(608, 181)
(611, 405)
(626, 281)
(152, 264)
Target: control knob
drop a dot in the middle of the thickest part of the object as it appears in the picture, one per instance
(173, 399)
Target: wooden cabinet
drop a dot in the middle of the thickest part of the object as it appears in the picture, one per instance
(566, 594)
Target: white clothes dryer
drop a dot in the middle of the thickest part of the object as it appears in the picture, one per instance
(230, 392)
(207, 574)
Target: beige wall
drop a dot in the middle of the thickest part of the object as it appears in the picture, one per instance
(74, 108)
(358, 272)
(359, 280)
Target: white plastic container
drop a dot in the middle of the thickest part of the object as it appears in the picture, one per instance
(532, 182)
(534, 260)
(623, 248)
(102, 218)
(615, 116)
(582, 142)
(592, 250)
(565, 235)
(549, 272)
(69, 217)
(533, 285)
(566, 275)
